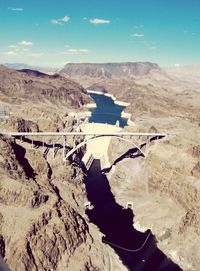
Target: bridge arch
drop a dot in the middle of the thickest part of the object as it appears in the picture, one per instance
(98, 136)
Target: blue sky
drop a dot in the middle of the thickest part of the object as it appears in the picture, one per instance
(52, 33)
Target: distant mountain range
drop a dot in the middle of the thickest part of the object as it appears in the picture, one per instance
(22, 66)
(189, 72)
(127, 70)
(110, 70)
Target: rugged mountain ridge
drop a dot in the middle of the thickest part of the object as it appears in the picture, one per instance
(109, 70)
(42, 216)
(20, 86)
(42, 221)
(38, 101)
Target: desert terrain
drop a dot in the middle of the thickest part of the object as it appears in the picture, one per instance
(163, 187)
(43, 225)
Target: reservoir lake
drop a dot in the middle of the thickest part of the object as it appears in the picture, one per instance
(107, 111)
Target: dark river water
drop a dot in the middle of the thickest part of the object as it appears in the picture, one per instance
(107, 111)
(137, 250)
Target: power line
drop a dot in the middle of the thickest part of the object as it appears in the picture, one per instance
(126, 249)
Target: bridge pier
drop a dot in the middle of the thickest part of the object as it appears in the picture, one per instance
(147, 145)
(54, 150)
(64, 148)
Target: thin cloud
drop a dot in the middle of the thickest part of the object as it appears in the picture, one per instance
(25, 43)
(99, 21)
(25, 49)
(137, 35)
(74, 51)
(12, 46)
(83, 50)
(56, 22)
(65, 19)
(16, 9)
(36, 55)
(60, 21)
(20, 48)
(139, 26)
(153, 47)
(11, 53)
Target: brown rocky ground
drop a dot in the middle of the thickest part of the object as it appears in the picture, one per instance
(43, 226)
(42, 217)
(164, 187)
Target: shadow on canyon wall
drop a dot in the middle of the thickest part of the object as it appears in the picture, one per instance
(137, 250)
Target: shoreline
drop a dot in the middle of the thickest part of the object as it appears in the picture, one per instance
(117, 102)
(80, 114)
(91, 105)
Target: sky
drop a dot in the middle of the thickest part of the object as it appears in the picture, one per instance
(53, 33)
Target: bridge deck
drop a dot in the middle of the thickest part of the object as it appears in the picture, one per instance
(81, 134)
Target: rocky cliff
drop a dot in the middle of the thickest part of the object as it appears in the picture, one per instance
(43, 225)
(42, 217)
(35, 87)
(109, 70)
(37, 101)
(163, 187)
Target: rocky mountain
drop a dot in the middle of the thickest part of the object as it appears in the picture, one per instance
(43, 225)
(42, 220)
(109, 70)
(42, 215)
(20, 86)
(20, 66)
(38, 101)
(169, 101)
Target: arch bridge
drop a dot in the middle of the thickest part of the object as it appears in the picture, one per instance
(140, 141)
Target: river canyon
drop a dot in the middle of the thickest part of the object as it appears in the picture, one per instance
(144, 210)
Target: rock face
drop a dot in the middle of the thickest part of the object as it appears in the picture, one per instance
(168, 179)
(42, 221)
(42, 217)
(26, 85)
(109, 70)
(22, 125)
(37, 101)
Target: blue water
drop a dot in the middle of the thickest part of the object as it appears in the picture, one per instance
(107, 111)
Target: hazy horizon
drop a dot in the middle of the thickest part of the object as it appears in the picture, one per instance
(60, 67)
